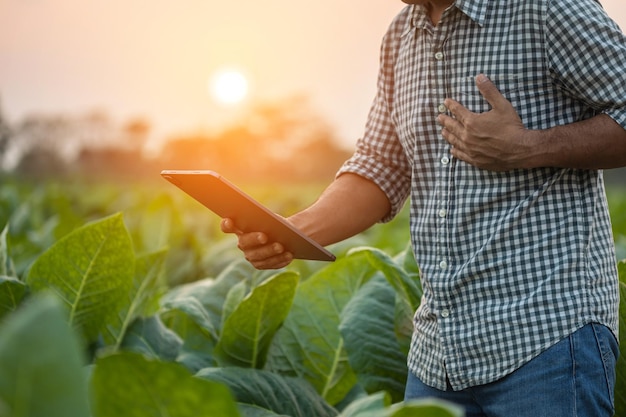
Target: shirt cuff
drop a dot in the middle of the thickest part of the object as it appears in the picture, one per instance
(396, 185)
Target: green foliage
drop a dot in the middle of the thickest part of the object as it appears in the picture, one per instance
(248, 331)
(193, 328)
(91, 270)
(41, 363)
(283, 395)
(141, 298)
(620, 386)
(128, 384)
(12, 291)
(379, 405)
(309, 345)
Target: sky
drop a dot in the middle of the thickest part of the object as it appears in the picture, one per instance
(155, 58)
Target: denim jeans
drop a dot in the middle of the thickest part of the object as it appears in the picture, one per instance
(574, 378)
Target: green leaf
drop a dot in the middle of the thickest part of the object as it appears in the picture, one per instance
(210, 293)
(4, 251)
(424, 408)
(406, 285)
(283, 395)
(142, 299)
(130, 385)
(378, 405)
(41, 363)
(235, 296)
(367, 327)
(150, 337)
(188, 318)
(254, 411)
(309, 344)
(195, 311)
(373, 403)
(403, 274)
(12, 291)
(91, 270)
(620, 383)
(250, 328)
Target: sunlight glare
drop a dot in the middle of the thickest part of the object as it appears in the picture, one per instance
(229, 87)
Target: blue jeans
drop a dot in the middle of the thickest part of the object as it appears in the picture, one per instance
(574, 378)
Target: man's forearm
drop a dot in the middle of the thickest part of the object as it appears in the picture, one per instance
(348, 206)
(596, 143)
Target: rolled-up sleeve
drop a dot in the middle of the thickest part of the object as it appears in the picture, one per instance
(379, 155)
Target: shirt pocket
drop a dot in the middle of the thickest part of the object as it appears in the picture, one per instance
(465, 91)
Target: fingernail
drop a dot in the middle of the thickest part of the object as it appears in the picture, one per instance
(481, 78)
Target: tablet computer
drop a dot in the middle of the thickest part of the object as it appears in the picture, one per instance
(228, 201)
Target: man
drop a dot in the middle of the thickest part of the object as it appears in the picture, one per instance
(495, 117)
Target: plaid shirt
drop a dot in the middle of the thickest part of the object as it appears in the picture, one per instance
(511, 262)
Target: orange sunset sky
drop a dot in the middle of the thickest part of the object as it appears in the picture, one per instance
(154, 58)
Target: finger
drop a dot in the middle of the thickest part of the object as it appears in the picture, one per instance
(457, 110)
(228, 226)
(275, 262)
(248, 241)
(451, 129)
(261, 253)
(450, 137)
(490, 92)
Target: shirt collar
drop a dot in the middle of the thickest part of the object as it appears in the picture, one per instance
(474, 9)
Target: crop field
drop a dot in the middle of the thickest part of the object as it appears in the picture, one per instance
(127, 300)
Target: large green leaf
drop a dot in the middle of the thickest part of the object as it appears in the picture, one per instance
(41, 363)
(210, 293)
(403, 275)
(620, 385)
(282, 395)
(195, 311)
(150, 337)
(250, 328)
(371, 404)
(187, 317)
(142, 299)
(12, 291)
(254, 411)
(379, 405)
(367, 327)
(130, 385)
(91, 270)
(309, 344)
(406, 285)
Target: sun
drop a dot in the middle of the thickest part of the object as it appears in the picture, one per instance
(228, 86)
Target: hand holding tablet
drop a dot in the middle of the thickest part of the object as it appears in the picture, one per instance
(229, 202)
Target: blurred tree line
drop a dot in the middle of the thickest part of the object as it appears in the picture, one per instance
(284, 141)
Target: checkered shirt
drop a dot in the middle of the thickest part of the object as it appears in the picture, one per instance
(511, 262)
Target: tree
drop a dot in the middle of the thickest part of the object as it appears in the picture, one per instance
(284, 140)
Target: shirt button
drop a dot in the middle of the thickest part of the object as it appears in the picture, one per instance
(445, 160)
(439, 56)
(443, 265)
(442, 213)
(442, 108)
(445, 313)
